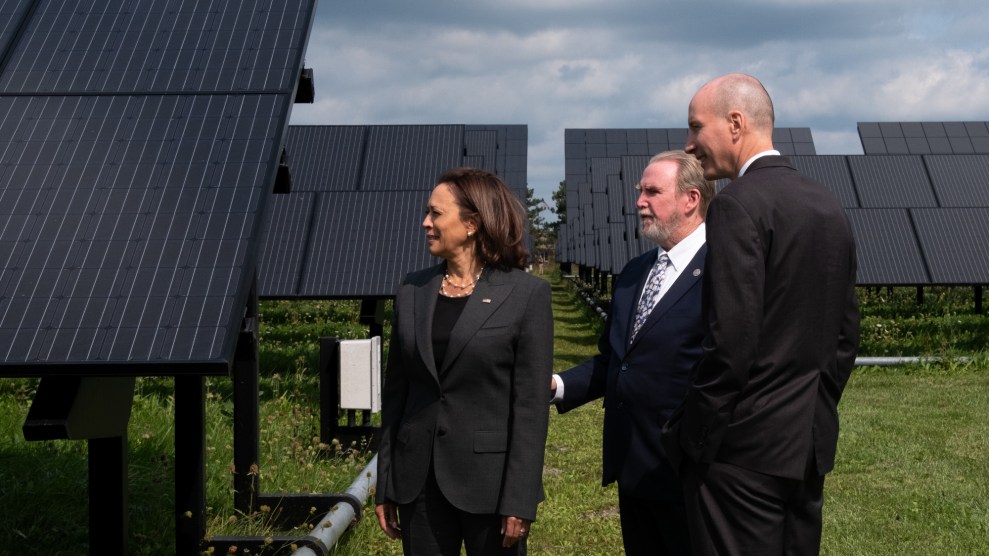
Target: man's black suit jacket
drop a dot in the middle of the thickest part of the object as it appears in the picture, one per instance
(480, 420)
(643, 382)
(779, 294)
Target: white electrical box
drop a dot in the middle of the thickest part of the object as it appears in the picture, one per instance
(360, 374)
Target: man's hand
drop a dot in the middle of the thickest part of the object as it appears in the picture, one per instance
(514, 529)
(388, 519)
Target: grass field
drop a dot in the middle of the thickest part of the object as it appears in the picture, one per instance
(912, 475)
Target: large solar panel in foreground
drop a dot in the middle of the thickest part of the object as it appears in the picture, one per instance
(139, 143)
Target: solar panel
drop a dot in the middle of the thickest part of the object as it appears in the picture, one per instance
(286, 244)
(602, 244)
(891, 181)
(482, 146)
(360, 246)
(601, 209)
(156, 233)
(594, 155)
(618, 247)
(917, 219)
(155, 46)
(880, 138)
(791, 141)
(410, 157)
(833, 173)
(12, 15)
(960, 180)
(601, 170)
(139, 144)
(325, 158)
(887, 248)
(955, 243)
(364, 242)
(616, 199)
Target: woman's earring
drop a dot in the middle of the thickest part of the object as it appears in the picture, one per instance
(470, 233)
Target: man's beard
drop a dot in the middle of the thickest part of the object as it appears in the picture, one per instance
(660, 232)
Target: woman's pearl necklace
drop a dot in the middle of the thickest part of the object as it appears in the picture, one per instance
(466, 288)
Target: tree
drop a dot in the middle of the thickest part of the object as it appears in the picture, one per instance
(560, 200)
(543, 234)
(534, 206)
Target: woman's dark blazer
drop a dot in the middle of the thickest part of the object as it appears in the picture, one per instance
(481, 418)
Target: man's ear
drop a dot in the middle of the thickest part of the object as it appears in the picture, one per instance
(693, 201)
(736, 123)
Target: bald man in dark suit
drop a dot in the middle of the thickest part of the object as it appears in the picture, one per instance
(759, 427)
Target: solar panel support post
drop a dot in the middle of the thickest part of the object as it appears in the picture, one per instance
(190, 463)
(108, 516)
(246, 388)
(95, 409)
(329, 388)
(306, 91)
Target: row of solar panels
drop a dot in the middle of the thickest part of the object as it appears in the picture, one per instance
(350, 228)
(917, 219)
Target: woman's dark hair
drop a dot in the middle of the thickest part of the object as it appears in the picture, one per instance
(498, 213)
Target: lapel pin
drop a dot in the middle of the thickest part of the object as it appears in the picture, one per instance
(486, 300)
(697, 272)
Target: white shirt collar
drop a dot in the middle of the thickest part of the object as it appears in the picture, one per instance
(753, 159)
(682, 253)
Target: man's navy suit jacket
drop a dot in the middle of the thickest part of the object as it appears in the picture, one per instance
(642, 382)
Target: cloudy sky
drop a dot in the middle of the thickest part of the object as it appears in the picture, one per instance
(557, 64)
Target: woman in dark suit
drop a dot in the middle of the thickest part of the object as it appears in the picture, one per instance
(464, 414)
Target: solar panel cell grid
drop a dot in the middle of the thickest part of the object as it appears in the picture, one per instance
(146, 222)
(833, 173)
(159, 45)
(410, 157)
(325, 158)
(955, 243)
(887, 248)
(960, 181)
(891, 182)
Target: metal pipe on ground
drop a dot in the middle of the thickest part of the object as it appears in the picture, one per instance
(328, 531)
(904, 360)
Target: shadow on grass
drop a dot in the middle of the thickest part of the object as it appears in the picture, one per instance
(44, 487)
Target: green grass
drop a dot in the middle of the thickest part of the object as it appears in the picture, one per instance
(912, 476)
